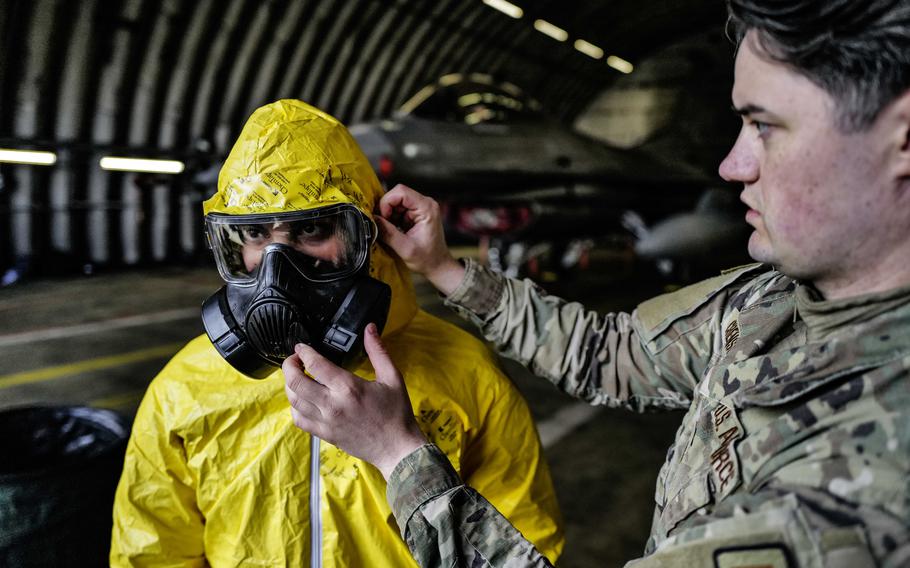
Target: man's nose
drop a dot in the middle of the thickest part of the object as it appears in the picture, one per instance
(741, 163)
(282, 238)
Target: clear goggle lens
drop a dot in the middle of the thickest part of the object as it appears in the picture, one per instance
(331, 243)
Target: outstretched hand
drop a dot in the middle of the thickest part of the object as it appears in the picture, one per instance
(369, 420)
(411, 224)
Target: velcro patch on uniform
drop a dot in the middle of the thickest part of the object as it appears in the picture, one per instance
(725, 466)
(731, 334)
(657, 313)
(759, 556)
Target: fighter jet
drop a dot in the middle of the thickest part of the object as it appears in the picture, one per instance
(506, 173)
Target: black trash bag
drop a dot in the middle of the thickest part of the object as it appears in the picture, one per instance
(59, 468)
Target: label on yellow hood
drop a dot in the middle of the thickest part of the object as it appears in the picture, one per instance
(291, 156)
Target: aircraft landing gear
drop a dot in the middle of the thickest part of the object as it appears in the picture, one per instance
(546, 261)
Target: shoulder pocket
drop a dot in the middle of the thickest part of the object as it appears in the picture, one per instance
(686, 502)
(658, 313)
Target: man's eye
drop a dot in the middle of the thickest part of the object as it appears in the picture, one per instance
(253, 232)
(313, 229)
(763, 128)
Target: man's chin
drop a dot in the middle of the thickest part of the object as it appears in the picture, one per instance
(765, 254)
(759, 249)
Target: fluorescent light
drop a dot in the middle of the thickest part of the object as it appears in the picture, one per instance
(589, 49)
(619, 64)
(450, 79)
(549, 29)
(478, 116)
(470, 99)
(481, 78)
(28, 157)
(510, 88)
(141, 165)
(506, 8)
(423, 94)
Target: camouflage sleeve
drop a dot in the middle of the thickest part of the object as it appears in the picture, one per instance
(652, 358)
(446, 523)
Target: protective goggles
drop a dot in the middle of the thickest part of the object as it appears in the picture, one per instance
(330, 242)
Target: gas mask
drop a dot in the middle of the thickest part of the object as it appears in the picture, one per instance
(300, 277)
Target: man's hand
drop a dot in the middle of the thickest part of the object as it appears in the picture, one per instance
(370, 420)
(410, 223)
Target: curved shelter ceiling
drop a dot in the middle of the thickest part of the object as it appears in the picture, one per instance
(177, 78)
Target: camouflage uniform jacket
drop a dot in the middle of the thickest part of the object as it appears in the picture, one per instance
(795, 450)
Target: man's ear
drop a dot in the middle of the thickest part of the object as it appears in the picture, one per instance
(900, 108)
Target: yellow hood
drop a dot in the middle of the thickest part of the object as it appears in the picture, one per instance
(291, 156)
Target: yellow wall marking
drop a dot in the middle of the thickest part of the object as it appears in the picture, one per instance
(58, 371)
(120, 401)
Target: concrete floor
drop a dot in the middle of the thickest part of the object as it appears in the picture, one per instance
(99, 340)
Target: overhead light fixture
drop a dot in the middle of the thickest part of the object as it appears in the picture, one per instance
(510, 88)
(589, 49)
(506, 8)
(450, 79)
(32, 157)
(620, 64)
(415, 101)
(141, 165)
(481, 78)
(470, 99)
(549, 29)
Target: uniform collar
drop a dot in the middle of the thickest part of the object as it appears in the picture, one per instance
(824, 318)
(842, 337)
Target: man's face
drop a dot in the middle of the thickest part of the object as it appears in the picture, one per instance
(818, 198)
(317, 239)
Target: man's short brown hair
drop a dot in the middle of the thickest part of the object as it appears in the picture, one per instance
(858, 51)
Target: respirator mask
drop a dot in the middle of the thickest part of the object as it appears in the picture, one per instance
(298, 277)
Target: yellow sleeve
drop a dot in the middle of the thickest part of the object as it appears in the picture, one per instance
(156, 520)
(504, 462)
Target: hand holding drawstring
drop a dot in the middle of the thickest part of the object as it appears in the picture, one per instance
(369, 420)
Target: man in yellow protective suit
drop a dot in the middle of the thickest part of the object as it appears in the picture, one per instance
(216, 473)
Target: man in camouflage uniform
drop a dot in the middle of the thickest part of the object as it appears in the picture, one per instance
(795, 450)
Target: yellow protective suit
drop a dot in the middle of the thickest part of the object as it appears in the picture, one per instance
(217, 474)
